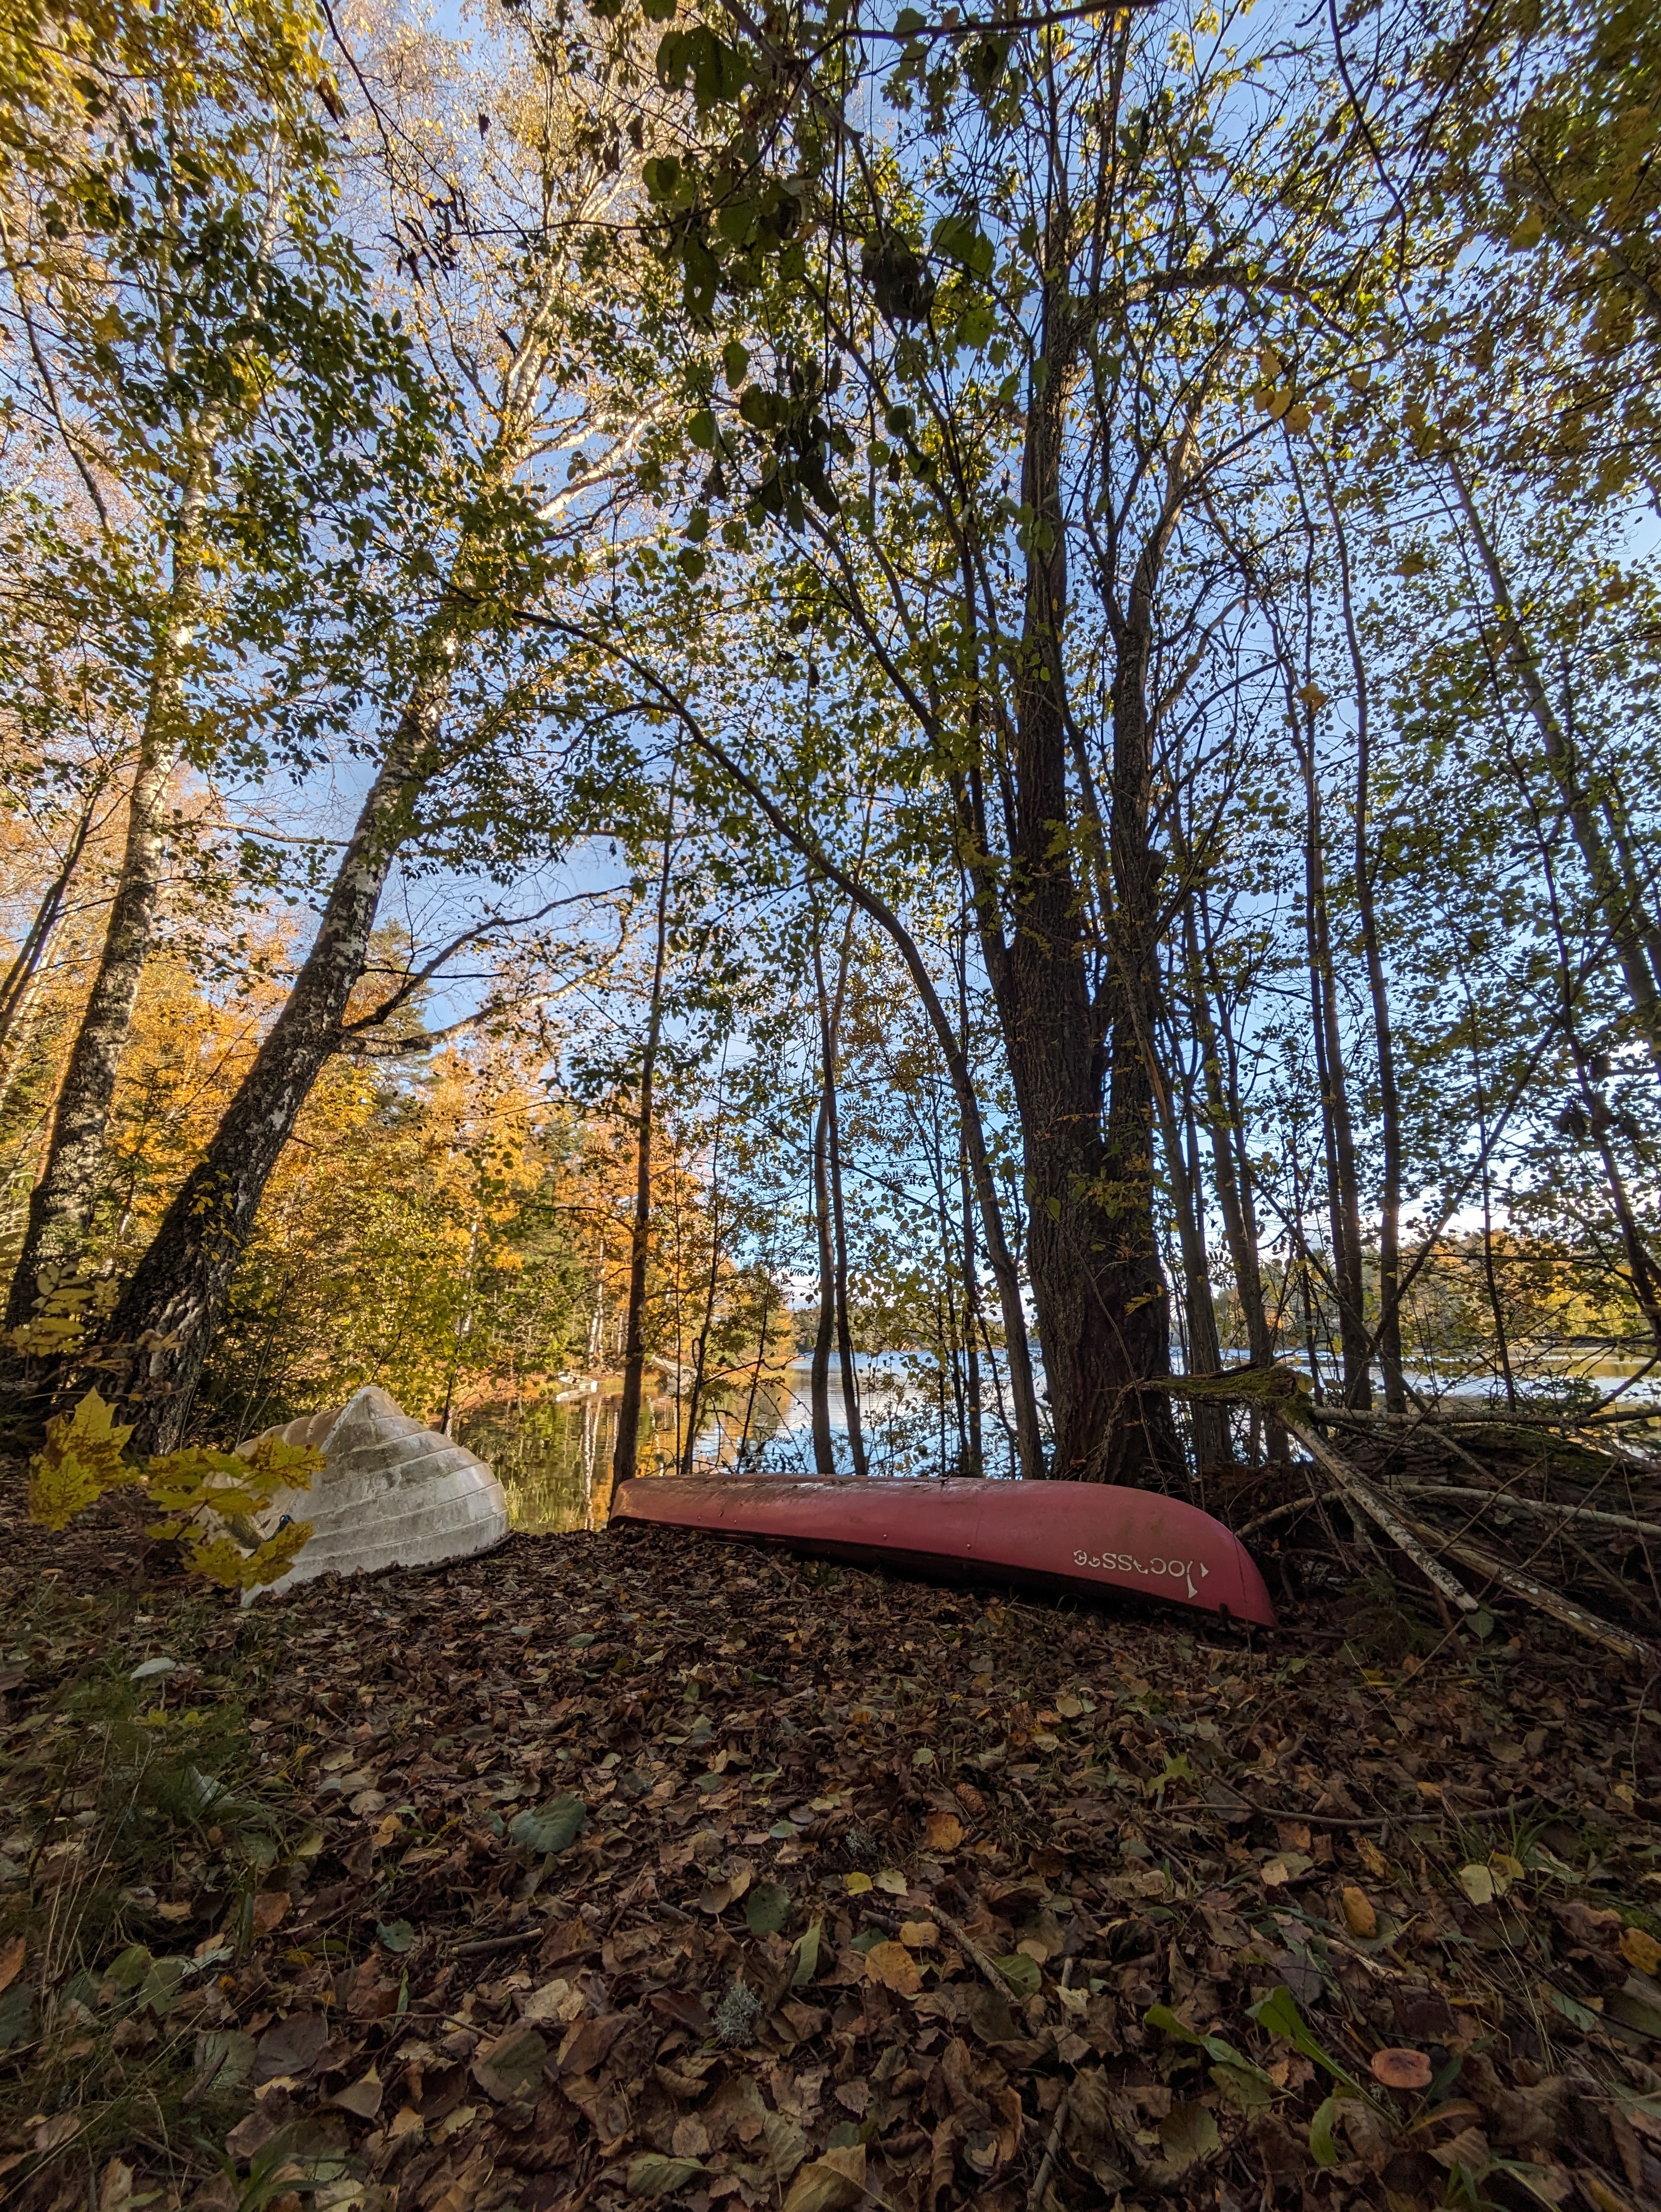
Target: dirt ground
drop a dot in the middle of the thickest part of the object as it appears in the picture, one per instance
(641, 1867)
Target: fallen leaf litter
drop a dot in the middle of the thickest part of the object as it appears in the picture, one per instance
(641, 1868)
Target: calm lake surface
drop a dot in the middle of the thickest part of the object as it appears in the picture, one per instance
(555, 1460)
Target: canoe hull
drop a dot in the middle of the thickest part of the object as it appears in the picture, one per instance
(1091, 1537)
(390, 1493)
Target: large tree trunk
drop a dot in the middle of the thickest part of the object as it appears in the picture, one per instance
(1092, 1253)
(61, 1206)
(161, 1330)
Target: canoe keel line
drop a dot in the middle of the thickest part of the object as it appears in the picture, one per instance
(1085, 1536)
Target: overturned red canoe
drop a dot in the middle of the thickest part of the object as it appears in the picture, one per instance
(1059, 1535)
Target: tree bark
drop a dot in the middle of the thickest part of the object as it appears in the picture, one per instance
(1092, 1253)
(1387, 1335)
(850, 1380)
(976, 1463)
(62, 1201)
(1233, 1193)
(825, 1457)
(1214, 1448)
(626, 1450)
(158, 1336)
(1343, 1188)
(17, 990)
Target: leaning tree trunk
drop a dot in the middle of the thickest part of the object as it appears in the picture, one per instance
(831, 1018)
(20, 985)
(61, 1203)
(157, 1339)
(1636, 943)
(1343, 1187)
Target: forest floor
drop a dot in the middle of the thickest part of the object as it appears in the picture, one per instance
(637, 1867)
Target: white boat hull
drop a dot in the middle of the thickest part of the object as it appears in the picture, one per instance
(389, 1494)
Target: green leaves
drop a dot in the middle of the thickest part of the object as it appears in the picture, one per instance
(716, 72)
(763, 409)
(1324, 2148)
(1023, 1975)
(766, 1908)
(960, 237)
(512, 2066)
(551, 1827)
(1278, 2012)
(654, 2174)
(1245, 2084)
(807, 1948)
(1188, 2134)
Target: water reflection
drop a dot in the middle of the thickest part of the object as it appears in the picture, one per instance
(554, 1459)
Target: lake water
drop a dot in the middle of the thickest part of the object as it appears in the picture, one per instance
(553, 1461)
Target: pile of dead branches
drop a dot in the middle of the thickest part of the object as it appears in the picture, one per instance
(1561, 1510)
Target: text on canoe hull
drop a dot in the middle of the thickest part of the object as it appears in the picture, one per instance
(1122, 1563)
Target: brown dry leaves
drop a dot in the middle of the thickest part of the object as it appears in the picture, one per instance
(857, 1882)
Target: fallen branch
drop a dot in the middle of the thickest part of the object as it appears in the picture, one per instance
(1358, 1490)
(486, 1944)
(1035, 2196)
(1296, 1505)
(1546, 1509)
(1392, 1820)
(1592, 1625)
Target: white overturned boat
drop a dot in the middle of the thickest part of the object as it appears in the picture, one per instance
(390, 1493)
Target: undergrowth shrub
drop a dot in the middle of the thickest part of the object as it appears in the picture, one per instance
(136, 1827)
(209, 1500)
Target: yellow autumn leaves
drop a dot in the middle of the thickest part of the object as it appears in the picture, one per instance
(1274, 395)
(209, 1500)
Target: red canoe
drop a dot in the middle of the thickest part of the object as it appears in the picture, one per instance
(1057, 1535)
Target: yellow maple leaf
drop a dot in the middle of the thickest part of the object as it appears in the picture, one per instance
(286, 1467)
(59, 1488)
(81, 1460)
(270, 1561)
(216, 1558)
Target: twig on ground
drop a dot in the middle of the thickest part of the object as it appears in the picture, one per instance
(1391, 1820)
(982, 1960)
(487, 1943)
(1035, 2195)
